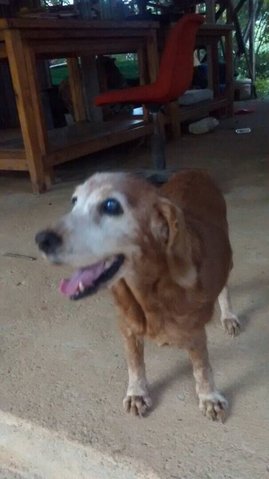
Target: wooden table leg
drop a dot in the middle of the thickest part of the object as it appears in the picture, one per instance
(91, 87)
(143, 75)
(24, 100)
(152, 57)
(40, 124)
(215, 68)
(229, 72)
(75, 82)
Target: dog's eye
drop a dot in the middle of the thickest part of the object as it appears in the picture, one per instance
(111, 207)
(74, 200)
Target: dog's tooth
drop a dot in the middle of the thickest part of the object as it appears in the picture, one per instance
(81, 287)
(108, 263)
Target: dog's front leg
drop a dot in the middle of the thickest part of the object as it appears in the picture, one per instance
(132, 326)
(211, 402)
(137, 399)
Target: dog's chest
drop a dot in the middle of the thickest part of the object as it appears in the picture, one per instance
(168, 315)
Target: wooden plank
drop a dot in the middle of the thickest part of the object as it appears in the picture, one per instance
(76, 89)
(10, 153)
(25, 108)
(215, 68)
(13, 159)
(252, 13)
(56, 24)
(91, 87)
(82, 139)
(72, 47)
(229, 71)
(34, 85)
(213, 29)
(152, 57)
(210, 11)
(83, 34)
(202, 108)
(143, 75)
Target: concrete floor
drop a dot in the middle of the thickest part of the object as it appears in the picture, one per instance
(62, 367)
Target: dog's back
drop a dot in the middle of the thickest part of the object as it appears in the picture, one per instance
(197, 195)
(204, 209)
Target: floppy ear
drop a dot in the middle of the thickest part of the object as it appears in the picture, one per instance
(169, 228)
(167, 224)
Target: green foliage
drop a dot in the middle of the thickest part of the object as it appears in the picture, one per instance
(262, 87)
(261, 45)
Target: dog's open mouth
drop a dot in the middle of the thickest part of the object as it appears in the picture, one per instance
(87, 281)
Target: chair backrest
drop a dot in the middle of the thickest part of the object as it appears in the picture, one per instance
(176, 66)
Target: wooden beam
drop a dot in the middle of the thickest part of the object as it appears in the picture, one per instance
(240, 41)
(76, 89)
(252, 16)
(210, 11)
(239, 5)
(24, 98)
(13, 160)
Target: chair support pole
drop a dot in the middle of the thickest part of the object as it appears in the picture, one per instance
(157, 142)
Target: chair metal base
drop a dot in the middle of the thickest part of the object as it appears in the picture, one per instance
(157, 140)
(155, 176)
(159, 174)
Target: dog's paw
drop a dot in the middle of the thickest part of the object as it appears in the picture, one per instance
(231, 325)
(137, 405)
(213, 406)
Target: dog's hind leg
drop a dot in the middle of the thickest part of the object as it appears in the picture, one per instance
(229, 320)
(211, 402)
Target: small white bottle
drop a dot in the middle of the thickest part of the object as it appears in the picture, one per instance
(203, 126)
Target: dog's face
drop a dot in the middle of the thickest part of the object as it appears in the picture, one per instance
(116, 221)
(101, 233)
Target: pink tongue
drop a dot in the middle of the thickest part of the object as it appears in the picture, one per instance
(86, 276)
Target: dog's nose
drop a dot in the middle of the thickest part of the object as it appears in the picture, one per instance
(48, 241)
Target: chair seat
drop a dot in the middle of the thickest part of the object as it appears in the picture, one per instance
(143, 94)
(175, 73)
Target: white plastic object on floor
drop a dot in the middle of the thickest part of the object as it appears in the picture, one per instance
(203, 126)
(241, 131)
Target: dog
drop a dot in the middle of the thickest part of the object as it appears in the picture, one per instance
(165, 255)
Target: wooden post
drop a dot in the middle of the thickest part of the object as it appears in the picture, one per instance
(26, 110)
(229, 72)
(252, 12)
(76, 89)
(34, 86)
(210, 11)
(152, 57)
(91, 87)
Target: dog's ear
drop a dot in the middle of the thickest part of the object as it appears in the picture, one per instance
(167, 223)
(169, 228)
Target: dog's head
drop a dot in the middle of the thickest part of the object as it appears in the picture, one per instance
(112, 215)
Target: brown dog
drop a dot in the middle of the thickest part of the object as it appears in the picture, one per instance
(165, 254)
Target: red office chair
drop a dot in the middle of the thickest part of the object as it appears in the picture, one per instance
(175, 76)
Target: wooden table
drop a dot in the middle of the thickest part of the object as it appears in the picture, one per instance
(23, 42)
